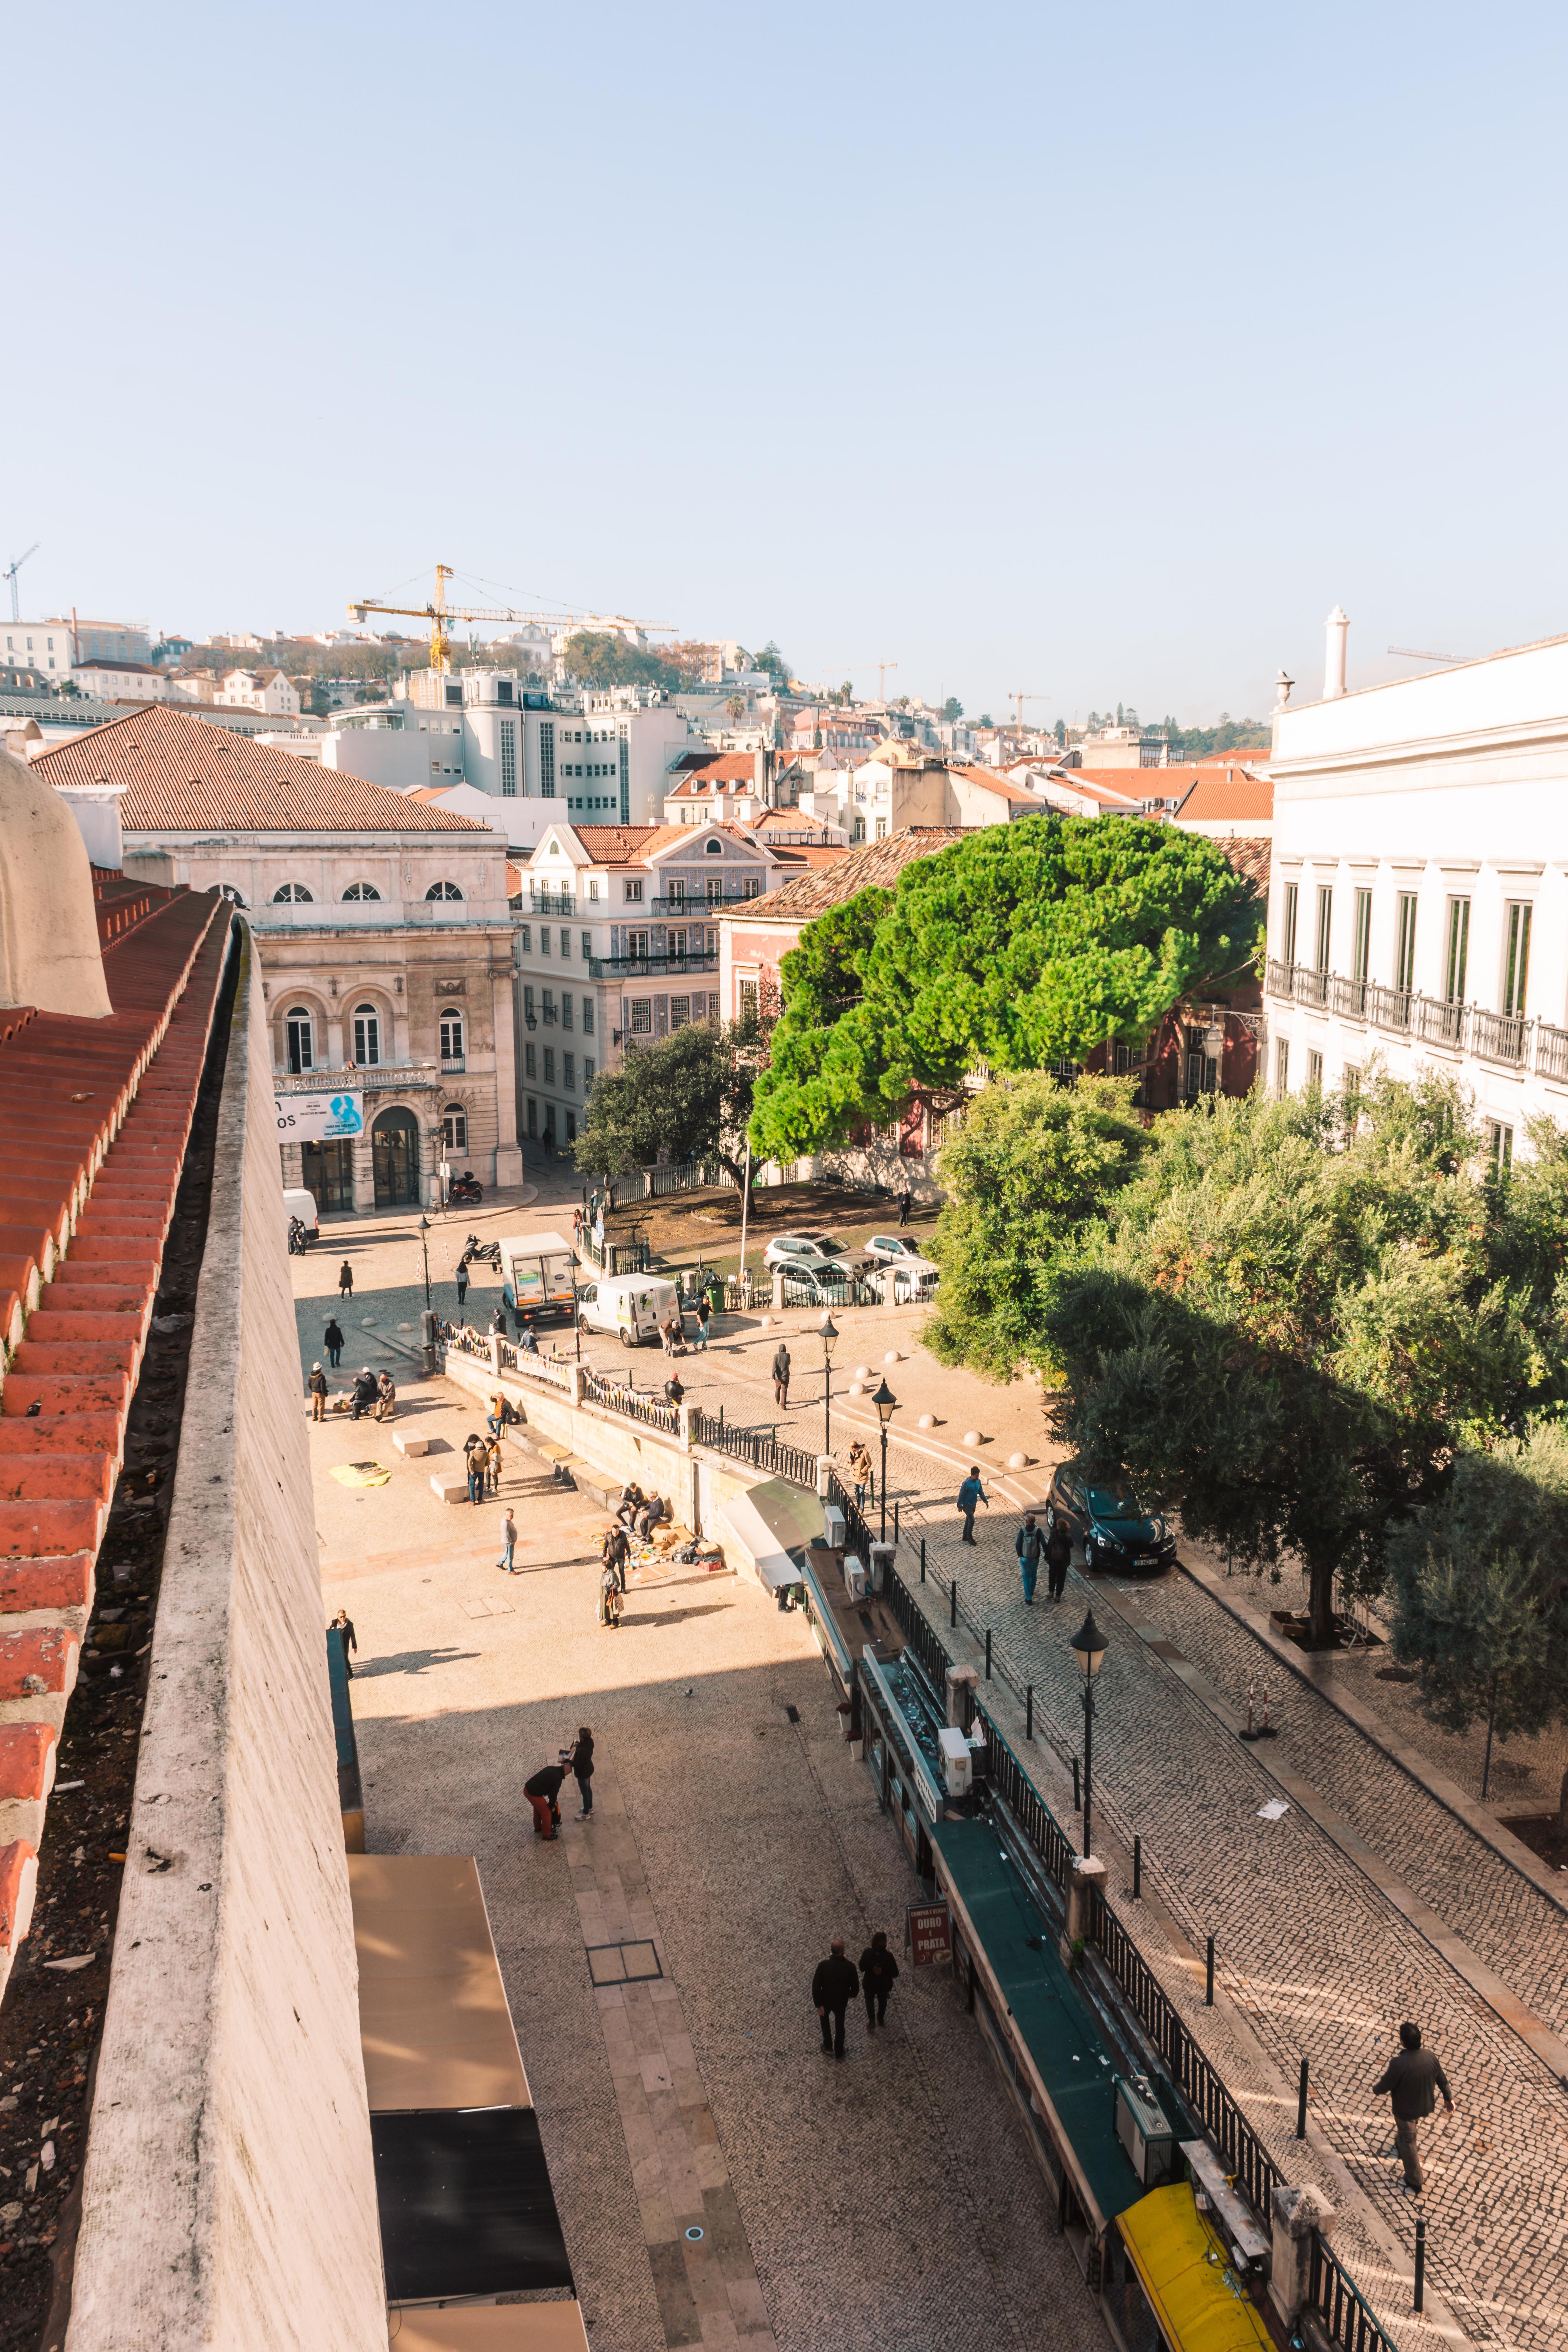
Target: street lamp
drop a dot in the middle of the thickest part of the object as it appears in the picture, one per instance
(1089, 1648)
(424, 1248)
(427, 1325)
(886, 1404)
(828, 1335)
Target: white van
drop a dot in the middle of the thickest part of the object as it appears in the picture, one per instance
(637, 1306)
(304, 1206)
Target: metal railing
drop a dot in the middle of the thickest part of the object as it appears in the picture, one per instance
(1348, 997)
(825, 1289)
(1551, 1052)
(1499, 1036)
(1026, 1805)
(1281, 978)
(1346, 2318)
(627, 967)
(1390, 1007)
(617, 1257)
(614, 1396)
(554, 1370)
(685, 909)
(1440, 1021)
(762, 1448)
(552, 902)
(1310, 987)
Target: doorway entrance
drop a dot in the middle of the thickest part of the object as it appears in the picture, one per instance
(328, 1170)
(394, 1144)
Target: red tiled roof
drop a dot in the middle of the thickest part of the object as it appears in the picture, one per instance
(1250, 856)
(97, 1117)
(995, 782)
(875, 864)
(629, 845)
(1227, 795)
(717, 767)
(184, 775)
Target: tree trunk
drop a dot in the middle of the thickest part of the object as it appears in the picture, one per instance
(1320, 1605)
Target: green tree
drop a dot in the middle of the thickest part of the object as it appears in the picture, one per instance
(735, 708)
(597, 659)
(953, 710)
(1479, 1582)
(689, 1095)
(1287, 1324)
(1031, 1164)
(772, 661)
(1020, 946)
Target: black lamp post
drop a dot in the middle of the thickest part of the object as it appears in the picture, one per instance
(828, 1335)
(1089, 1648)
(886, 1404)
(427, 1322)
(424, 1248)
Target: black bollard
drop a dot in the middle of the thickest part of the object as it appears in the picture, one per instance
(1137, 1869)
(1208, 1978)
(1302, 2104)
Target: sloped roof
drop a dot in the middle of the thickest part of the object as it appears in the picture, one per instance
(1227, 795)
(1250, 856)
(184, 774)
(874, 865)
(717, 767)
(994, 781)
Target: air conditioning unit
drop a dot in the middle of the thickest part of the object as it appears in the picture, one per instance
(957, 1762)
(1143, 2131)
(853, 1577)
(833, 1527)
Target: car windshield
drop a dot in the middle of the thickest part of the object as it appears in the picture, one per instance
(829, 1249)
(1115, 1503)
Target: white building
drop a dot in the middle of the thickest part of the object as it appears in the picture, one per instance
(904, 785)
(39, 645)
(1418, 909)
(617, 942)
(602, 759)
(259, 690)
(107, 681)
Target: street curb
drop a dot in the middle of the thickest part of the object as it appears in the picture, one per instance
(1438, 1785)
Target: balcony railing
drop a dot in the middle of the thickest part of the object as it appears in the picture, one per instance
(552, 902)
(1348, 997)
(367, 1079)
(1499, 1036)
(651, 967)
(692, 908)
(1390, 1007)
(1512, 1039)
(1552, 1052)
(1311, 987)
(1441, 1021)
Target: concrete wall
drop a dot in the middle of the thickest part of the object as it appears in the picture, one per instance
(228, 2195)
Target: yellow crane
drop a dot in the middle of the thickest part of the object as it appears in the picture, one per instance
(438, 613)
(1013, 695)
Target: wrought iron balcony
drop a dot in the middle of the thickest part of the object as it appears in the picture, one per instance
(552, 902)
(1501, 1036)
(1390, 1007)
(1440, 1022)
(653, 967)
(1552, 1052)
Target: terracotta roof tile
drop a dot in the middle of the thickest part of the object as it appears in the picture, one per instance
(874, 865)
(183, 775)
(1227, 795)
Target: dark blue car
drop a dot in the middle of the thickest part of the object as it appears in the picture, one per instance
(1105, 1517)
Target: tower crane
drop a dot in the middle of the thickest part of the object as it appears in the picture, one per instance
(10, 574)
(1013, 695)
(438, 613)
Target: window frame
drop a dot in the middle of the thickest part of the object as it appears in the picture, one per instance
(366, 1020)
(1457, 950)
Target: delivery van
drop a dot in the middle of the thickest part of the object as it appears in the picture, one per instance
(637, 1305)
(542, 1269)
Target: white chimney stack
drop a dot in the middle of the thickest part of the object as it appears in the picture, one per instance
(1335, 654)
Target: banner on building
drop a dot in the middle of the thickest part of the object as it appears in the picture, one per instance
(319, 1118)
(928, 1933)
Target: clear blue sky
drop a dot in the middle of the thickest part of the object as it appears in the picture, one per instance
(1093, 352)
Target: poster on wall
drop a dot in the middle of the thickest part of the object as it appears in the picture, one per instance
(319, 1118)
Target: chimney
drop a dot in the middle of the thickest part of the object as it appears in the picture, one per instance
(1335, 654)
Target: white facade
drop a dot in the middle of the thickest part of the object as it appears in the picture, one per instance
(37, 644)
(602, 759)
(1418, 903)
(260, 689)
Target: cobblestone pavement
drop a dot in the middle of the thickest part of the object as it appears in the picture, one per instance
(891, 2200)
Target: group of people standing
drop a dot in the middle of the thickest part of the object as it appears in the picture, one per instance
(544, 1791)
(837, 1981)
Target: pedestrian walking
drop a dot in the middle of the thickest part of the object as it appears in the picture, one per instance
(346, 1280)
(499, 1323)
(1028, 1544)
(385, 1398)
(582, 1760)
(971, 1495)
(342, 1626)
(860, 1471)
(704, 1316)
(833, 1987)
(1058, 1557)
(333, 1341)
(1411, 2078)
(905, 1202)
(781, 1374)
(508, 1543)
(462, 1282)
(615, 1551)
(879, 1974)
(493, 1462)
(542, 1792)
(609, 1607)
(316, 1384)
(474, 1451)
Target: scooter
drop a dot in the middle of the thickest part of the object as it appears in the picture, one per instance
(466, 1189)
(476, 1252)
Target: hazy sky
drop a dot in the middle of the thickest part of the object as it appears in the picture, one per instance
(1091, 352)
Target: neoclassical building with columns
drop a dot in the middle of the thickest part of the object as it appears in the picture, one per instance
(385, 940)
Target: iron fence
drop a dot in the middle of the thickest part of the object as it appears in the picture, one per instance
(614, 1396)
(1499, 1036)
(762, 1448)
(1390, 1007)
(918, 1630)
(1028, 1808)
(1346, 2319)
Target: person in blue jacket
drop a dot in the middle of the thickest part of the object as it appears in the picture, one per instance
(971, 1495)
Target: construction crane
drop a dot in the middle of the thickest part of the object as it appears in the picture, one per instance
(10, 574)
(438, 613)
(1013, 695)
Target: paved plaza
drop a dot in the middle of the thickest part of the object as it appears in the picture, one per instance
(1366, 1902)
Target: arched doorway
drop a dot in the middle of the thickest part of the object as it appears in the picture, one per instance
(394, 1145)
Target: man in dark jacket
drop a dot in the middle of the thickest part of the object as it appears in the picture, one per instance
(1058, 1559)
(1410, 2079)
(781, 1380)
(346, 1280)
(542, 1793)
(1028, 1543)
(333, 1341)
(879, 1974)
(316, 1384)
(365, 1393)
(833, 1987)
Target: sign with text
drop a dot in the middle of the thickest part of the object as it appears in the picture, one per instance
(319, 1118)
(928, 1932)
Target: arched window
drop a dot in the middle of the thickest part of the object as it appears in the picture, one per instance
(367, 1036)
(452, 1036)
(292, 893)
(301, 1033)
(443, 890)
(455, 1130)
(361, 890)
(226, 890)
(713, 848)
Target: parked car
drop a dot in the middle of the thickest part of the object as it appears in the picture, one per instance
(907, 1274)
(790, 1251)
(816, 1282)
(1106, 1517)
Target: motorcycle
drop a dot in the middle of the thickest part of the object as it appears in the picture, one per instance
(476, 1252)
(467, 1189)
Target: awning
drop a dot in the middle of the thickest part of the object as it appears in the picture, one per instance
(489, 2327)
(766, 1525)
(434, 2021)
(1186, 2270)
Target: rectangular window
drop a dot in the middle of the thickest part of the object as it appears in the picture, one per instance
(1500, 1138)
(593, 890)
(675, 890)
(529, 1070)
(1288, 942)
(509, 759)
(544, 939)
(1315, 1072)
(565, 1010)
(753, 888)
(634, 894)
(642, 1017)
(528, 1003)
(1457, 964)
(587, 1073)
(547, 760)
(1361, 946)
(571, 1124)
(1282, 1066)
(550, 1065)
(637, 945)
(587, 945)
(569, 1072)
(565, 944)
(1352, 1083)
(547, 1004)
(1516, 956)
(587, 1016)
(679, 1012)
(1324, 935)
(525, 937)
(1405, 942)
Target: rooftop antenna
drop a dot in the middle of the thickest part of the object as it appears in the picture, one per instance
(10, 574)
